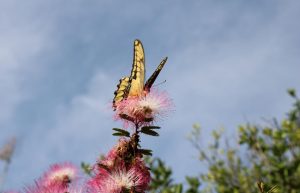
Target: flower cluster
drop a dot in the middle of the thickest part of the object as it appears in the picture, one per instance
(122, 169)
(120, 172)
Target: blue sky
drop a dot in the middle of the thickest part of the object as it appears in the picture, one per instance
(229, 62)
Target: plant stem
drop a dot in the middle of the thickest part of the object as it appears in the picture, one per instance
(135, 138)
(3, 175)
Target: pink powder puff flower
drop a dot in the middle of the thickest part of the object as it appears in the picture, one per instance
(137, 178)
(110, 159)
(76, 189)
(54, 187)
(63, 174)
(154, 105)
(143, 109)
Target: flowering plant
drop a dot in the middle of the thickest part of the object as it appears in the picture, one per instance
(123, 169)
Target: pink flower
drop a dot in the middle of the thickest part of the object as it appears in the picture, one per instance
(60, 174)
(57, 180)
(53, 188)
(110, 159)
(143, 109)
(76, 189)
(40, 188)
(136, 177)
(154, 105)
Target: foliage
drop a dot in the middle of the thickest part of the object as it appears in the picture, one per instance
(162, 181)
(263, 159)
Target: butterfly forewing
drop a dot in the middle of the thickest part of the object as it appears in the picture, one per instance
(137, 76)
(153, 77)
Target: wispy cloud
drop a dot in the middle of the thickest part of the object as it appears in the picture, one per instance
(60, 64)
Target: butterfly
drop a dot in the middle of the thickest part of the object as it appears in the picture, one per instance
(134, 85)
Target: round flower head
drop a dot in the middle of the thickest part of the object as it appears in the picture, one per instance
(153, 105)
(54, 187)
(137, 178)
(60, 174)
(76, 189)
(143, 109)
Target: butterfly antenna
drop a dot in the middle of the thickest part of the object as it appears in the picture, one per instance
(160, 83)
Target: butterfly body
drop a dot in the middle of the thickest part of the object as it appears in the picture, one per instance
(134, 85)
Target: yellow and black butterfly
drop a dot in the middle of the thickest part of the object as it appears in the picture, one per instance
(134, 84)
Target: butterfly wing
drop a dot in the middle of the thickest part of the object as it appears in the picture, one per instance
(133, 85)
(153, 77)
(137, 77)
(122, 91)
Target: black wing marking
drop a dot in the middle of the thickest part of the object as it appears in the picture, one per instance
(153, 77)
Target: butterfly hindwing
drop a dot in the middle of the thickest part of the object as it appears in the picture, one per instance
(137, 76)
(122, 90)
(153, 77)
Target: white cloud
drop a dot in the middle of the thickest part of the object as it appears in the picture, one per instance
(20, 43)
(225, 60)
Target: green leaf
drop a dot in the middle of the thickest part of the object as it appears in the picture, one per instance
(148, 131)
(145, 151)
(274, 189)
(87, 169)
(150, 127)
(193, 181)
(148, 119)
(260, 186)
(121, 132)
(126, 117)
(178, 188)
(292, 92)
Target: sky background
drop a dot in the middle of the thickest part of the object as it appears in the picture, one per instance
(60, 61)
